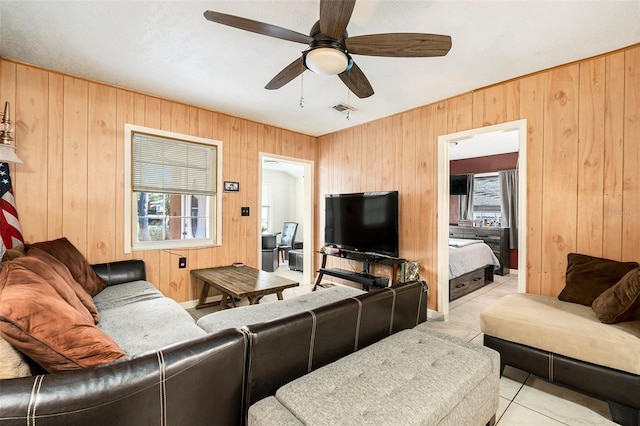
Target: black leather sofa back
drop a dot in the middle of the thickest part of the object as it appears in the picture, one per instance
(195, 383)
(285, 349)
(121, 272)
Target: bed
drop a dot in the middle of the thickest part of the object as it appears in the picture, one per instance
(471, 266)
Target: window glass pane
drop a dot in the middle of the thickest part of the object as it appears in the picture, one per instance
(264, 218)
(163, 217)
(486, 199)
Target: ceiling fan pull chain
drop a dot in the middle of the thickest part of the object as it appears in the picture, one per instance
(301, 103)
(348, 98)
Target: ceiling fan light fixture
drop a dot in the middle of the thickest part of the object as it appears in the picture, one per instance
(326, 61)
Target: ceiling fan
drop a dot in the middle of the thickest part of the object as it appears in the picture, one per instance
(330, 47)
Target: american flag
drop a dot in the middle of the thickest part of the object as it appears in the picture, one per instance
(10, 230)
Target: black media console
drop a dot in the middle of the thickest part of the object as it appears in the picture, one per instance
(365, 278)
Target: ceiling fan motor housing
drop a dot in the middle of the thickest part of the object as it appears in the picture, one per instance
(326, 56)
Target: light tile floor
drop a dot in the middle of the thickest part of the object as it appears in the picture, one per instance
(524, 398)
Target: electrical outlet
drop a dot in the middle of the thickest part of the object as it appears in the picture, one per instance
(244, 211)
(182, 262)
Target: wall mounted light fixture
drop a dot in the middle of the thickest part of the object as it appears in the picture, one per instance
(7, 150)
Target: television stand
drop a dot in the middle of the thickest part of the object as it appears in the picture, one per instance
(365, 278)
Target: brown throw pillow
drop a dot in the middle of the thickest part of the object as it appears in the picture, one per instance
(62, 271)
(82, 272)
(622, 301)
(588, 277)
(38, 322)
(55, 278)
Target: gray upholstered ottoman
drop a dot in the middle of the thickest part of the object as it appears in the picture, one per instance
(296, 258)
(414, 377)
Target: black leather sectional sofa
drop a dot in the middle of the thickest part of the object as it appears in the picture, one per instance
(211, 379)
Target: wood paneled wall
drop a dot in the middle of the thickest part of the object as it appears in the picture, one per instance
(70, 135)
(583, 157)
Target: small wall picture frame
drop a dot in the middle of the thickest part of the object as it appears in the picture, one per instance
(231, 186)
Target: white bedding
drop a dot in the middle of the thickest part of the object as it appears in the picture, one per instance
(460, 242)
(464, 258)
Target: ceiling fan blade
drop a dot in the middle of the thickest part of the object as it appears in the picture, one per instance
(357, 82)
(401, 45)
(257, 27)
(335, 16)
(290, 72)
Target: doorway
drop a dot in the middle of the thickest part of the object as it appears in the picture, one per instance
(286, 195)
(444, 143)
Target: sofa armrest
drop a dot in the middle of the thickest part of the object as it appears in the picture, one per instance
(192, 383)
(121, 272)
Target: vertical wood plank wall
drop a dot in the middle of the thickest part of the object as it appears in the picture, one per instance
(70, 135)
(583, 165)
(583, 157)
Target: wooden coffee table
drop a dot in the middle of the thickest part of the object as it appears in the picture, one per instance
(239, 282)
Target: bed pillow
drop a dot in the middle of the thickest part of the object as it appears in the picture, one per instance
(54, 266)
(41, 324)
(80, 269)
(588, 277)
(620, 302)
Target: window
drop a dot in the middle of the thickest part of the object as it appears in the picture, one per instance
(265, 213)
(486, 198)
(171, 190)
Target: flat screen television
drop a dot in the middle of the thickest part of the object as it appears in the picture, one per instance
(458, 185)
(366, 222)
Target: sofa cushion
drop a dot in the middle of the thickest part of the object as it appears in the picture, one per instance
(622, 301)
(148, 324)
(62, 271)
(563, 328)
(41, 321)
(126, 294)
(67, 253)
(254, 314)
(587, 277)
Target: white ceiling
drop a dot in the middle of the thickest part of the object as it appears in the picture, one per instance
(481, 145)
(168, 49)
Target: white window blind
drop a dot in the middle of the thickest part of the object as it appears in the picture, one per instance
(173, 166)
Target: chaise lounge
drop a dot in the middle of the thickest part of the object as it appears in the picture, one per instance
(573, 340)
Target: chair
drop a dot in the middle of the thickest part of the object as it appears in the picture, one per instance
(289, 230)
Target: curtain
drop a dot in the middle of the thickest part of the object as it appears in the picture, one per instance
(509, 204)
(466, 201)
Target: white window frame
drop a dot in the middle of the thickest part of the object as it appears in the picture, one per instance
(215, 207)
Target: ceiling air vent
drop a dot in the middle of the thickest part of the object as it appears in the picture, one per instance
(343, 107)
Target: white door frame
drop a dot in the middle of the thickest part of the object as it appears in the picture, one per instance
(443, 205)
(309, 224)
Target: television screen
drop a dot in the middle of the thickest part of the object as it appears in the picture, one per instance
(364, 222)
(458, 185)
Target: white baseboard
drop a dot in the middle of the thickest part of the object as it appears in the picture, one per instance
(434, 315)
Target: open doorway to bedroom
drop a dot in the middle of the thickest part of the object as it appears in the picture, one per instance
(286, 198)
(498, 220)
